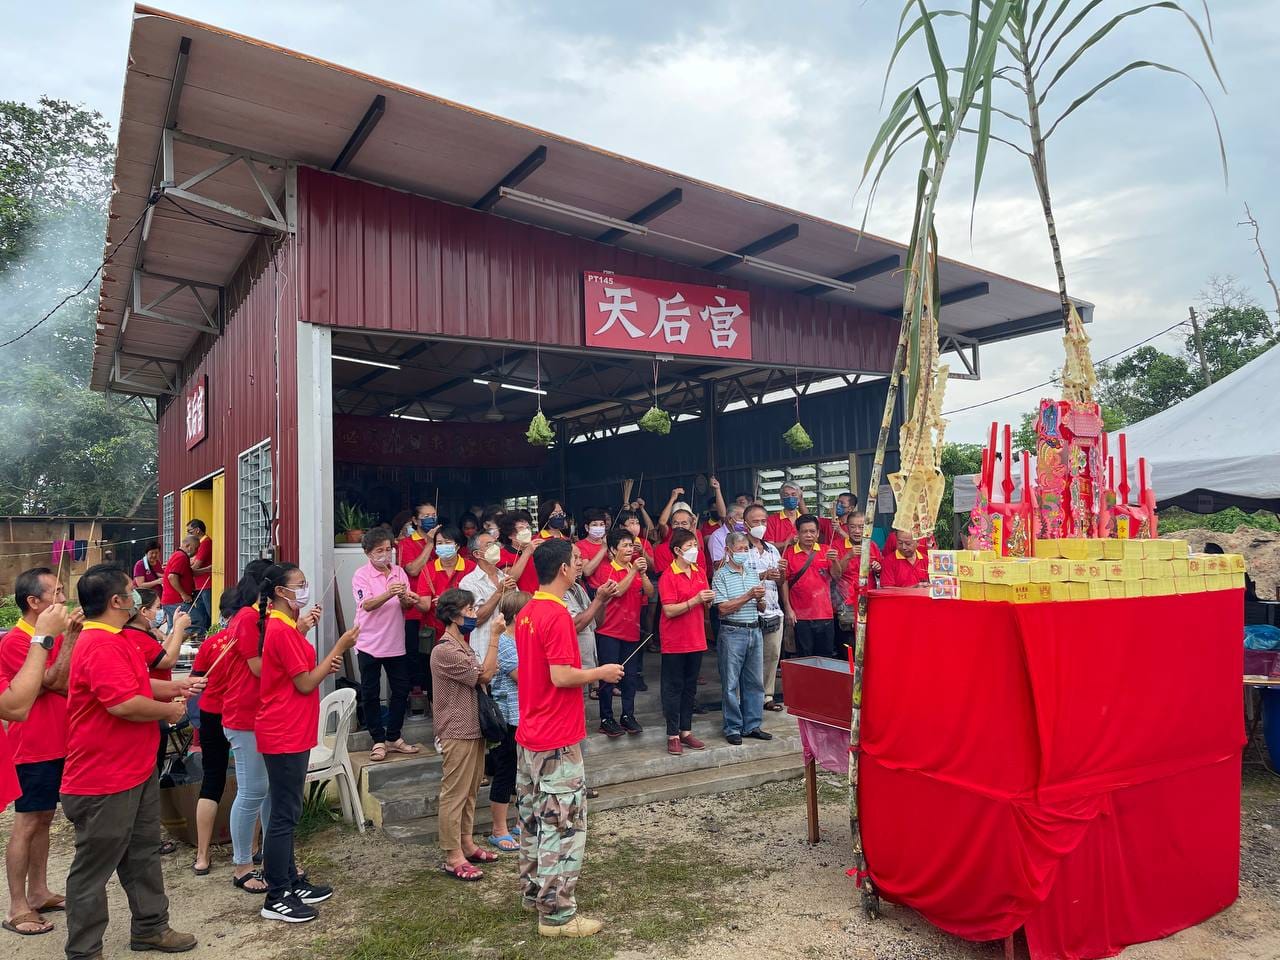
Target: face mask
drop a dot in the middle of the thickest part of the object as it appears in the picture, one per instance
(446, 551)
(757, 531)
(426, 523)
(467, 625)
(491, 529)
(300, 597)
(492, 553)
(135, 598)
(741, 558)
(790, 503)
(381, 562)
(408, 530)
(690, 555)
(739, 526)
(841, 509)
(558, 521)
(596, 531)
(524, 536)
(158, 620)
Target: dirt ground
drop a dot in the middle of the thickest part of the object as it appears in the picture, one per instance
(768, 893)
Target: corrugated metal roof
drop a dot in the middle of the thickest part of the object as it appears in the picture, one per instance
(285, 104)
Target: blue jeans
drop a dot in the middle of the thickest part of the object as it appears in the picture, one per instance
(201, 611)
(251, 794)
(613, 650)
(741, 655)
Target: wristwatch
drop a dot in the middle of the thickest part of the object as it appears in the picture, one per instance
(44, 641)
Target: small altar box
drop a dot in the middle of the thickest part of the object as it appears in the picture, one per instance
(1237, 580)
(1179, 548)
(1133, 588)
(1158, 587)
(1082, 571)
(1181, 567)
(1040, 570)
(1058, 591)
(1007, 571)
(1195, 565)
(1122, 569)
(1057, 569)
(1157, 549)
(1209, 562)
(1122, 549)
(942, 563)
(972, 591)
(1115, 589)
(1082, 549)
(1156, 569)
(1024, 593)
(1078, 590)
(944, 588)
(1099, 590)
(1047, 548)
(998, 592)
(1234, 561)
(1188, 584)
(970, 571)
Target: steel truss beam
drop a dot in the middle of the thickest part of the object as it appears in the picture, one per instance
(646, 213)
(127, 404)
(966, 348)
(768, 242)
(275, 220)
(212, 312)
(873, 269)
(515, 176)
(360, 134)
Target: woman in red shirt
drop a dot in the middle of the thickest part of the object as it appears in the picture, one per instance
(684, 593)
(286, 729)
(452, 562)
(515, 536)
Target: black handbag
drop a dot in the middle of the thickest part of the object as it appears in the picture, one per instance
(493, 726)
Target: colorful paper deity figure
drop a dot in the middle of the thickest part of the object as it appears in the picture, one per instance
(1068, 469)
(1003, 525)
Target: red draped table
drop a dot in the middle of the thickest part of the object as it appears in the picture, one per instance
(1069, 768)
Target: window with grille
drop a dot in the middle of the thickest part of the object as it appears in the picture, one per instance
(529, 503)
(820, 483)
(254, 519)
(166, 527)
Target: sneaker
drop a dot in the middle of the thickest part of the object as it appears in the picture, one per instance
(642, 686)
(758, 734)
(609, 727)
(577, 928)
(673, 746)
(167, 940)
(289, 909)
(734, 738)
(631, 725)
(692, 742)
(309, 892)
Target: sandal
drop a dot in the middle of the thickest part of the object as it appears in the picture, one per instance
(378, 753)
(400, 746)
(168, 847)
(463, 871)
(774, 706)
(482, 856)
(200, 871)
(242, 883)
(30, 917)
(54, 904)
(504, 842)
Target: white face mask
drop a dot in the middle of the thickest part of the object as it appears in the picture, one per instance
(690, 555)
(596, 531)
(757, 531)
(524, 536)
(492, 553)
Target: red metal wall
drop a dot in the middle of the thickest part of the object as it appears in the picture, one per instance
(380, 259)
(248, 388)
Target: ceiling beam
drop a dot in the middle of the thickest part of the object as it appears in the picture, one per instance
(360, 134)
(1008, 329)
(958, 295)
(654, 210)
(517, 175)
(865, 272)
(756, 247)
(179, 81)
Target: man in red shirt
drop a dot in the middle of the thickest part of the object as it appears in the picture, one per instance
(110, 792)
(550, 780)
(412, 553)
(179, 581)
(906, 565)
(806, 590)
(780, 529)
(618, 635)
(830, 529)
(38, 743)
(202, 567)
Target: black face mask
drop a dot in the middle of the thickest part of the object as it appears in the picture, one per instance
(558, 522)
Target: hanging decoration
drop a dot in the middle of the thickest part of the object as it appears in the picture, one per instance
(797, 438)
(540, 432)
(656, 420)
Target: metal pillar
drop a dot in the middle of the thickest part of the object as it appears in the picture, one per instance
(315, 457)
(709, 417)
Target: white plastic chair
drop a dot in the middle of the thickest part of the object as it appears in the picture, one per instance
(329, 758)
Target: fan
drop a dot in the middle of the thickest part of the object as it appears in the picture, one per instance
(493, 414)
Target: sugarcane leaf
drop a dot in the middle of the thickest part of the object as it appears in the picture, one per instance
(1048, 29)
(999, 139)
(1037, 14)
(1111, 25)
(1138, 65)
(939, 65)
(903, 38)
(984, 141)
(875, 184)
(899, 110)
(926, 124)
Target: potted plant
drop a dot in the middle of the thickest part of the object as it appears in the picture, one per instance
(352, 522)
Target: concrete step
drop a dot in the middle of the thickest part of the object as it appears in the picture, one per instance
(628, 760)
(737, 776)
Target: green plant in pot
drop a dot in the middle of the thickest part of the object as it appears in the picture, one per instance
(352, 522)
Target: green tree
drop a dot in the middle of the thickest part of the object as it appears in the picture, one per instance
(1232, 336)
(67, 449)
(1147, 381)
(958, 459)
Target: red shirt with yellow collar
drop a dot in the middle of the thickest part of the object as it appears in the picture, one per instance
(899, 571)
(437, 577)
(684, 633)
(811, 594)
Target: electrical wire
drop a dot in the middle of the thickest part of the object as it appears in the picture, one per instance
(48, 551)
(1053, 380)
(218, 223)
(71, 296)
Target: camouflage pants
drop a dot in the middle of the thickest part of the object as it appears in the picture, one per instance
(551, 793)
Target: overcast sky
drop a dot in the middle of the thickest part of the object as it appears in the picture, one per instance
(781, 101)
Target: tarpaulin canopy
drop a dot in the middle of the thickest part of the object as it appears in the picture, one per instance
(1216, 449)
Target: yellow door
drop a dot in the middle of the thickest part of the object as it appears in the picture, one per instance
(205, 504)
(217, 530)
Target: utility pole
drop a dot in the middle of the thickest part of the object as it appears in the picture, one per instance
(1195, 328)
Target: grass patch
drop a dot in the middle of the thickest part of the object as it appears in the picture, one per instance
(647, 895)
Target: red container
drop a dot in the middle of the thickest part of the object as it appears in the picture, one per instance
(819, 689)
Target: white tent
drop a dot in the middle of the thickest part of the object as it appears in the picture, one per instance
(1216, 449)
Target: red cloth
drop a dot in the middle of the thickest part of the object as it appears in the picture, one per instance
(1077, 765)
(551, 717)
(408, 549)
(849, 579)
(106, 754)
(287, 721)
(622, 612)
(43, 735)
(780, 528)
(437, 577)
(898, 572)
(179, 563)
(10, 789)
(240, 702)
(684, 633)
(216, 685)
(150, 649)
(204, 557)
(810, 595)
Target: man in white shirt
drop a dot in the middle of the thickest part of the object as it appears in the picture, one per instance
(767, 562)
(485, 583)
(733, 524)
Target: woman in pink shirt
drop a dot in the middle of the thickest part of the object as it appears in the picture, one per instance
(382, 594)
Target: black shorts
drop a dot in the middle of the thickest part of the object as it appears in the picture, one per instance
(41, 783)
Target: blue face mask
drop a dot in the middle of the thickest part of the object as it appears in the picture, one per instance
(426, 523)
(446, 551)
(741, 558)
(790, 503)
(467, 625)
(841, 509)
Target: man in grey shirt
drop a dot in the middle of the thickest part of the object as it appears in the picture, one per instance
(767, 563)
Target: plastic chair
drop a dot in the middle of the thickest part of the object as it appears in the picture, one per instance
(329, 758)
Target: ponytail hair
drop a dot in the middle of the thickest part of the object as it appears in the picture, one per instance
(274, 576)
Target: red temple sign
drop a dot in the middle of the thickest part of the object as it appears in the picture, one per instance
(666, 316)
(197, 411)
